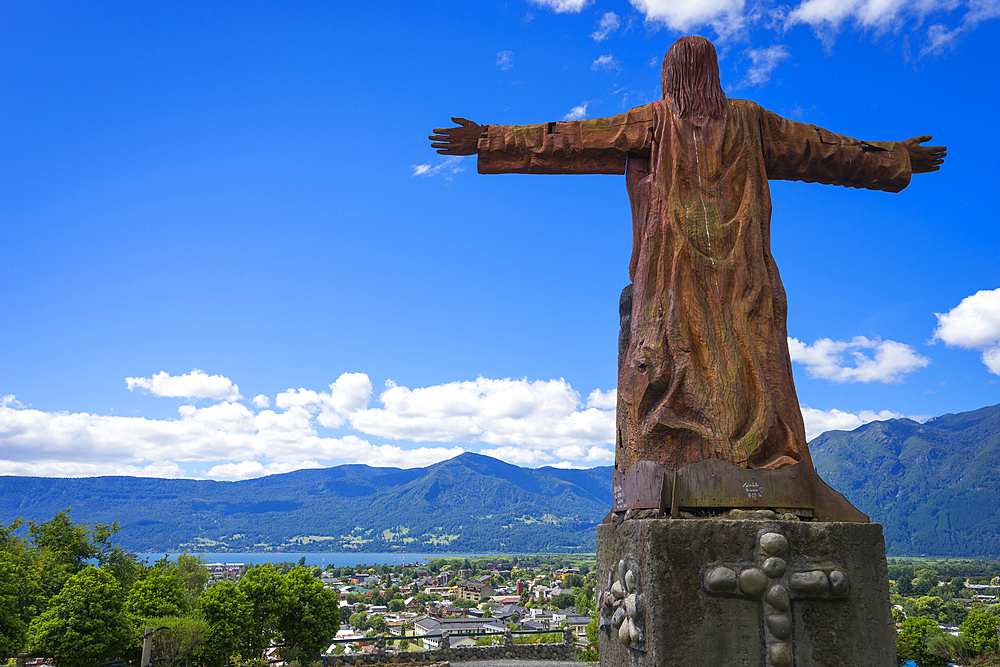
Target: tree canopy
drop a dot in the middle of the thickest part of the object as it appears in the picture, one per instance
(86, 622)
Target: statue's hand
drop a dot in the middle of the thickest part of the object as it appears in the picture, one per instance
(462, 140)
(925, 158)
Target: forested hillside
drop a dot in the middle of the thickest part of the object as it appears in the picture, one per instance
(935, 487)
(469, 503)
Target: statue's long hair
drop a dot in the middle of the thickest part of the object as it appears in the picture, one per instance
(691, 78)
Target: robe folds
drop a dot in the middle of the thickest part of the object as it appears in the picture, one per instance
(705, 370)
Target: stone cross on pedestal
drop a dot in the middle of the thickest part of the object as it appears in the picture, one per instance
(774, 582)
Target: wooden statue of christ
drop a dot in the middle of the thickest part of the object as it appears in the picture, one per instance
(704, 368)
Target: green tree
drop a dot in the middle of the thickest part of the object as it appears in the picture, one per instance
(583, 601)
(191, 570)
(64, 538)
(178, 642)
(949, 648)
(592, 629)
(914, 634)
(226, 610)
(267, 593)
(111, 557)
(311, 618)
(161, 593)
(86, 622)
(563, 601)
(952, 614)
(358, 621)
(925, 582)
(396, 605)
(902, 574)
(13, 629)
(59, 548)
(377, 623)
(980, 632)
(925, 605)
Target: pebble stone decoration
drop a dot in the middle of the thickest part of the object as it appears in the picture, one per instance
(622, 609)
(772, 581)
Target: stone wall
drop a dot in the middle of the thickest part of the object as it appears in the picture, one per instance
(562, 651)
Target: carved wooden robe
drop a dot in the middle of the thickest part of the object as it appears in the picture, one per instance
(705, 371)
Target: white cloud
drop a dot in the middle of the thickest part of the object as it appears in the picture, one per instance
(348, 394)
(820, 421)
(991, 358)
(827, 17)
(196, 384)
(725, 16)
(519, 456)
(581, 457)
(33, 442)
(505, 60)
(939, 38)
(603, 400)
(765, 61)
(524, 421)
(261, 401)
(447, 168)
(593, 455)
(541, 414)
(607, 62)
(825, 359)
(982, 10)
(974, 324)
(396, 457)
(877, 14)
(297, 397)
(577, 112)
(563, 6)
(608, 24)
(58, 468)
(10, 399)
(248, 469)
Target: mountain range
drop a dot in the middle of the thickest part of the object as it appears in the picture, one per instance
(935, 488)
(469, 503)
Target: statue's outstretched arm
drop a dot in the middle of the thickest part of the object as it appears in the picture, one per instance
(592, 146)
(925, 158)
(801, 152)
(461, 140)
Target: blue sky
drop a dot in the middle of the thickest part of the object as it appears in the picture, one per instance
(228, 249)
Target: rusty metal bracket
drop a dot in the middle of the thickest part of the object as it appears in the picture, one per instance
(714, 484)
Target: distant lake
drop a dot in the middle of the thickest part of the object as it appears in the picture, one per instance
(318, 558)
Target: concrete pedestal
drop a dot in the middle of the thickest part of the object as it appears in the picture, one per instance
(743, 593)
